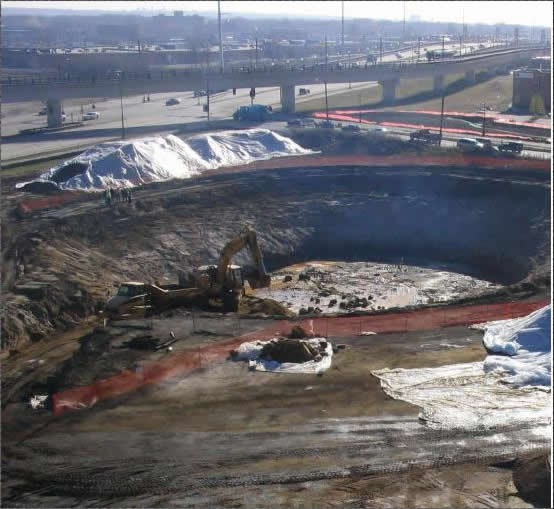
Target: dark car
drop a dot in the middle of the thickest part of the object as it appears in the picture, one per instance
(511, 146)
(350, 127)
(295, 122)
(172, 102)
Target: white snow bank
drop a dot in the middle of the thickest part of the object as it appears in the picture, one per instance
(524, 348)
(125, 164)
(501, 390)
(251, 352)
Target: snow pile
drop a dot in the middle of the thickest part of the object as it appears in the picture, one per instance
(523, 346)
(499, 391)
(251, 352)
(131, 163)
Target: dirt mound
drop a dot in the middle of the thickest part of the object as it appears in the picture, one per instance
(292, 350)
(298, 332)
(41, 187)
(532, 478)
(251, 305)
(69, 171)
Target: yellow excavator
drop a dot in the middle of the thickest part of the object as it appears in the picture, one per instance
(227, 281)
(223, 281)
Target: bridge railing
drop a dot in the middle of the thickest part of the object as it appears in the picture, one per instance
(86, 80)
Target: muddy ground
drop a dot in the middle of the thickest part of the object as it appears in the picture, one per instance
(225, 436)
(60, 265)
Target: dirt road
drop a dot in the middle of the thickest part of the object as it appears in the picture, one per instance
(233, 438)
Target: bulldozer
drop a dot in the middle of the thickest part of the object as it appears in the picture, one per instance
(222, 281)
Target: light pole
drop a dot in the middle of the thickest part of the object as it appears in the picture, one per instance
(484, 114)
(220, 34)
(342, 26)
(326, 55)
(326, 103)
(442, 117)
(121, 102)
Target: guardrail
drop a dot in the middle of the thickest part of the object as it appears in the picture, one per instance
(77, 80)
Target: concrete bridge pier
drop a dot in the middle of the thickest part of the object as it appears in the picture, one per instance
(54, 112)
(438, 83)
(470, 76)
(288, 100)
(389, 90)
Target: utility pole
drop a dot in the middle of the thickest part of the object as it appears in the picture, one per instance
(381, 49)
(461, 45)
(442, 54)
(326, 103)
(418, 47)
(484, 113)
(360, 109)
(342, 26)
(404, 22)
(442, 117)
(326, 56)
(121, 102)
(220, 34)
(256, 65)
(208, 99)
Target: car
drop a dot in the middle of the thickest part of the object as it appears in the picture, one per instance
(42, 112)
(350, 127)
(326, 123)
(173, 101)
(511, 146)
(469, 144)
(487, 145)
(91, 115)
(379, 131)
(307, 122)
(295, 122)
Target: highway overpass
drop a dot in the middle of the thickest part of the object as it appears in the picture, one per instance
(51, 88)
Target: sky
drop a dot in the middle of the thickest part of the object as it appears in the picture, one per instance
(538, 13)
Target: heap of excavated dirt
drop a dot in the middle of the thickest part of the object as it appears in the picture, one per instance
(532, 478)
(292, 350)
(251, 305)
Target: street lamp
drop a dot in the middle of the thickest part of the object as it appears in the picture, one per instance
(121, 102)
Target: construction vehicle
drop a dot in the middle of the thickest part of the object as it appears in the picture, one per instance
(223, 281)
(226, 281)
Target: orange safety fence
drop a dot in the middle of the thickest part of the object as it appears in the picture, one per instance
(184, 363)
(495, 117)
(347, 118)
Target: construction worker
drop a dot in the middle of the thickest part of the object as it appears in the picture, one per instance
(108, 196)
(129, 196)
(119, 195)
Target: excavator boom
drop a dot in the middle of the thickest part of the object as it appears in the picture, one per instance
(244, 239)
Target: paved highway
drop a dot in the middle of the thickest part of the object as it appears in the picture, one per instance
(140, 118)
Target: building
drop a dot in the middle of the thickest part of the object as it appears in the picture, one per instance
(530, 86)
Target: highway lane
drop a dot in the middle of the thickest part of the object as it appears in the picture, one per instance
(140, 118)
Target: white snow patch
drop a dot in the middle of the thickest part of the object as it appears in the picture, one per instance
(251, 351)
(125, 164)
(497, 391)
(38, 401)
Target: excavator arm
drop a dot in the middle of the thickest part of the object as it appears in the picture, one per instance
(244, 239)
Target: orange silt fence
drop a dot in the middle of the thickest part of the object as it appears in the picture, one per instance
(184, 363)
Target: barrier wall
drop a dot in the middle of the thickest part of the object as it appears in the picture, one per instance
(184, 363)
